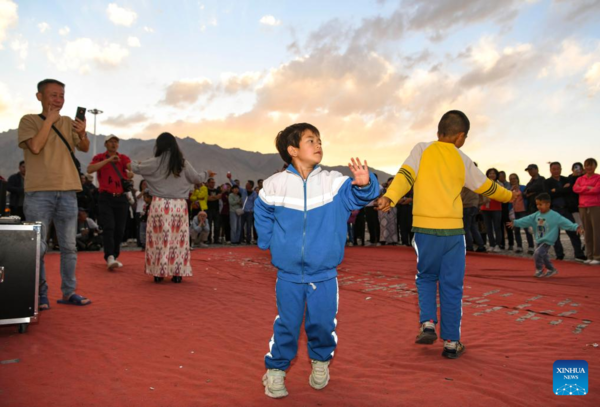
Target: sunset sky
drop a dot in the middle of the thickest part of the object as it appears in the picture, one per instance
(373, 76)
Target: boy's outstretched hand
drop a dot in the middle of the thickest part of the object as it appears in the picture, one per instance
(580, 230)
(360, 172)
(510, 225)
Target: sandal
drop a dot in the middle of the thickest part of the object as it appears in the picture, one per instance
(75, 299)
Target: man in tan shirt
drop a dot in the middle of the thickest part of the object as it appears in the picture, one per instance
(52, 182)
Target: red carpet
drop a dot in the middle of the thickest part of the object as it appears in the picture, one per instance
(202, 342)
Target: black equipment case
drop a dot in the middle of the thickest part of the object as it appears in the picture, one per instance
(20, 246)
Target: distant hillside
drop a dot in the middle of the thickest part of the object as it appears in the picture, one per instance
(244, 165)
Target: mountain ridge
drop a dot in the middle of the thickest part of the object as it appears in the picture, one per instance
(244, 165)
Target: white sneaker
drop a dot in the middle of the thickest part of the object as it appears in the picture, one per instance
(539, 273)
(320, 374)
(112, 263)
(358, 242)
(350, 244)
(274, 382)
(518, 250)
(496, 249)
(594, 262)
(587, 261)
(119, 264)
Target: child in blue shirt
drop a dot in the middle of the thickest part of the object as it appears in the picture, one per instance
(301, 215)
(546, 225)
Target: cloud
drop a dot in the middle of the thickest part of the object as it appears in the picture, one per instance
(233, 83)
(186, 92)
(270, 20)
(592, 78)
(120, 16)
(43, 27)
(8, 18)
(148, 29)
(571, 60)
(77, 54)
(133, 42)
(493, 66)
(125, 121)
(579, 10)
(438, 17)
(4, 98)
(64, 31)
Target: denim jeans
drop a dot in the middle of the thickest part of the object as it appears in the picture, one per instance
(235, 222)
(573, 236)
(59, 207)
(350, 228)
(247, 224)
(471, 230)
(492, 221)
(542, 258)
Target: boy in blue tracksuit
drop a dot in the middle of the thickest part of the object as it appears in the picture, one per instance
(546, 225)
(301, 217)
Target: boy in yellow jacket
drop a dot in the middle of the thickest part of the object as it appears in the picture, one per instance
(437, 171)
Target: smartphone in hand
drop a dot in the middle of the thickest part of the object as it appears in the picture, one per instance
(81, 113)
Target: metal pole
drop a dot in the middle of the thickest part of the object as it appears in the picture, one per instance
(95, 112)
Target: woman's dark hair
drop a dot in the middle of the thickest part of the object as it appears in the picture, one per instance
(167, 143)
(140, 186)
(290, 136)
(591, 161)
(516, 176)
(487, 173)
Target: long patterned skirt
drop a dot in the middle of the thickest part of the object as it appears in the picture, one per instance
(167, 238)
(388, 226)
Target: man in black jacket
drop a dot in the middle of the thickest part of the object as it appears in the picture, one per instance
(16, 187)
(559, 189)
(534, 187)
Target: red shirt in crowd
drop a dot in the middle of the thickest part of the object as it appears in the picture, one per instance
(108, 179)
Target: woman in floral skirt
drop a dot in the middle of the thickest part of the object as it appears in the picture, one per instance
(170, 178)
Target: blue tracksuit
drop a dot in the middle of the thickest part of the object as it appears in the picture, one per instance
(303, 223)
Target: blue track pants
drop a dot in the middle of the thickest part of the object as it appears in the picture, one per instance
(441, 259)
(321, 303)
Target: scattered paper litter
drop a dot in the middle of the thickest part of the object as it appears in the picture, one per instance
(6, 362)
(151, 388)
(368, 298)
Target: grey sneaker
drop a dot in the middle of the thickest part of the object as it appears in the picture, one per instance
(550, 273)
(539, 273)
(320, 374)
(453, 349)
(274, 382)
(427, 334)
